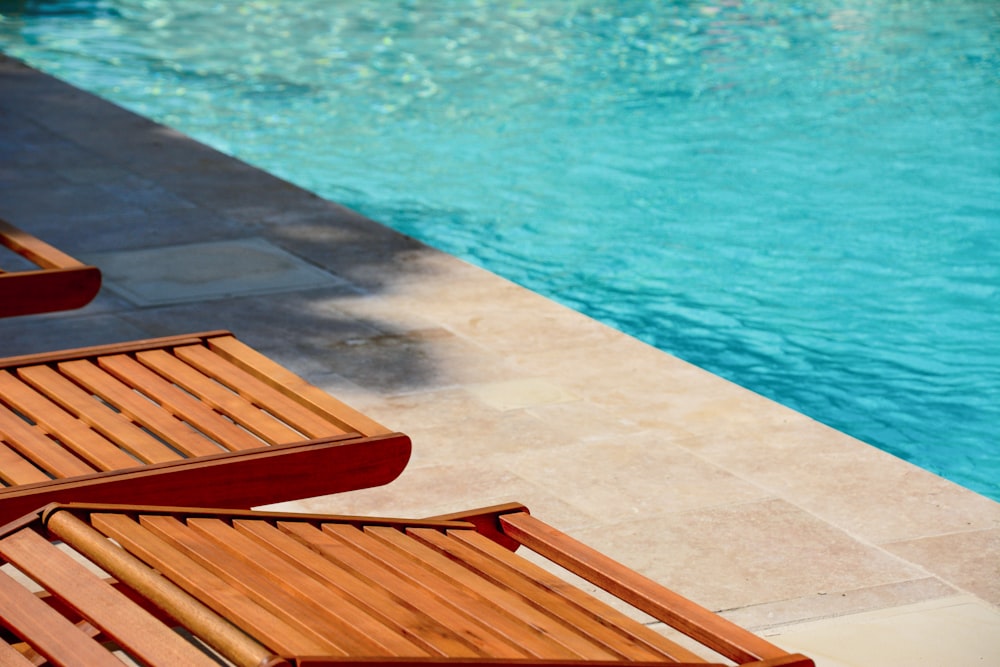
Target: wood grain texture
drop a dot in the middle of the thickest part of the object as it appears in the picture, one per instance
(328, 590)
(118, 618)
(237, 479)
(710, 629)
(109, 422)
(61, 283)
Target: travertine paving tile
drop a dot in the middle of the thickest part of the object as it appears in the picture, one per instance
(521, 393)
(434, 408)
(873, 494)
(639, 476)
(582, 421)
(423, 491)
(514, 322)
(773, 615)
(970, 560)
(734, 556)
(485, 435)
(956, 632)
(206, 271)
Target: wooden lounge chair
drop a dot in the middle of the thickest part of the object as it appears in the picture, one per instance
(59, 283)
(198, 419)
(189, 587)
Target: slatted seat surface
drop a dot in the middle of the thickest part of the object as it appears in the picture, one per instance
(267, 588)
(59, 282)
(162, 405)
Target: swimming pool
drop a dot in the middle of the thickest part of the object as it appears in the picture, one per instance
(803, 198)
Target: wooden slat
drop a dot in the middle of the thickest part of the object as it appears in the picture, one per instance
(195, 412)
(240, 479)
(16, 470)
(34, 249)
(619, 633)
(291, 610)
(712, 630)
(358, 631)
(48, 633)
(47, 290)
(232, 405)
(109, 423)
(212, 591)
(139, 409)
(476, 601)
(89, 352)
(293, 386)
(130, 626)
(258, 392)
(11, 657)
(476, 631)
(392, 610)
(98, 450)
(557, 632)
(39, 448)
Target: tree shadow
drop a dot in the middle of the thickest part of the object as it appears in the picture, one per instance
(88, 176)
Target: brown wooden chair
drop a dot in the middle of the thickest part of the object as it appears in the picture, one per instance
(59, 283)
(197, 419)
(200, 587)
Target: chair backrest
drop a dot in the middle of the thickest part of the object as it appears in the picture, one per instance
(59, 283)
(200, 419)
(258, 588)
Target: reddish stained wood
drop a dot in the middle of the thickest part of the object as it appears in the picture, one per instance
(48, 290)
(34, 249)
(62, 283)
(212, 591)
(109, 423)
(513, 601)
(229, 569)
(240, 479)
(217, 396)
(487, 522)
(11, 657)
(127, 624)
(89, 352)
(83, 510)
(491, 631)
(260, 393)
(137, 408)
(293, 386)
(87, 443)
(322, 661)
(39, 448)
(712, 630)
(16, 470)
(183, 404)
(628, 638)
(329, 605)
(60, 641)
(391, 609)
(529, 629)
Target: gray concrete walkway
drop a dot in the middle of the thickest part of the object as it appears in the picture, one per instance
(792, 529)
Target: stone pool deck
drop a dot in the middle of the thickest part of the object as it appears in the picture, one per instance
(798, 532)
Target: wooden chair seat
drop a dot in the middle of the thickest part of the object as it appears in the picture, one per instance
(261, 588)
(197, 419)
(60, 282)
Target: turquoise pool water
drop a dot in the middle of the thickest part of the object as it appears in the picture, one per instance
(801, 197)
